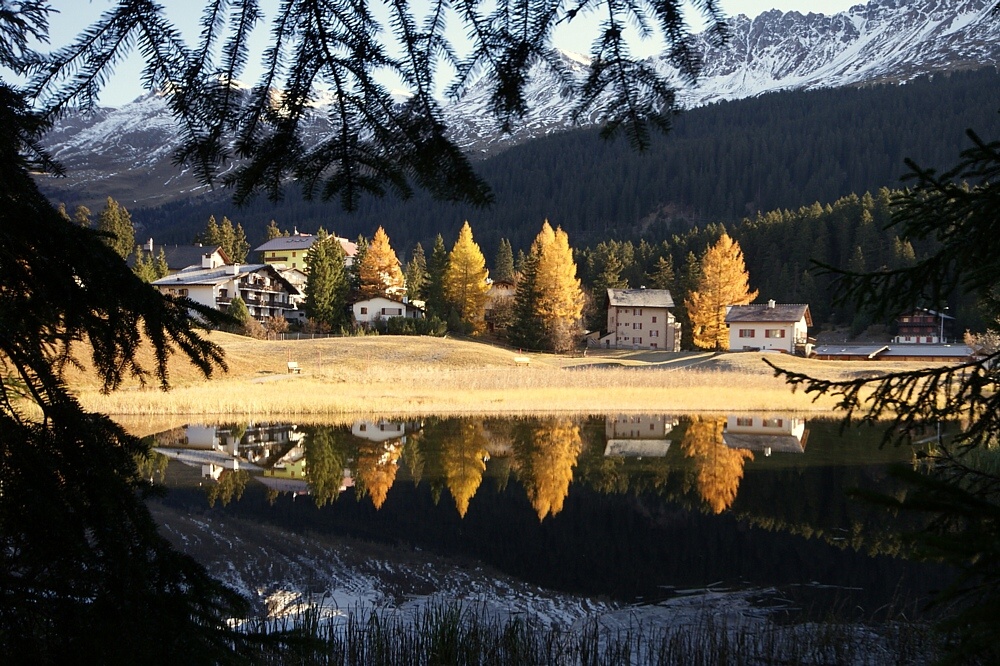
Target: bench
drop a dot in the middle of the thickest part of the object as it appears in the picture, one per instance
(522, 360)
(293, 368)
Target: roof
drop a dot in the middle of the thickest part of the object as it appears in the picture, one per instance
(776, 443)
(640, 298)
(182, 256)
(409, 304)
(933, 313)
(303, 242)
(766, 312)
(857, 351)
(936, 351)
(220, 275)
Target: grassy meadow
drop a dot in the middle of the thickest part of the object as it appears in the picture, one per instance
(422, 375)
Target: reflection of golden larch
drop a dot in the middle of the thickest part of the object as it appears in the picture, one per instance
(463, 455)
(720, 468)
(377, 469)
(549, 468)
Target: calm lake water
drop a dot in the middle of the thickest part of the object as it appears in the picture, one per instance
(627, 508)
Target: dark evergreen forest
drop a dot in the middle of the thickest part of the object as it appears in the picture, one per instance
(719, 164)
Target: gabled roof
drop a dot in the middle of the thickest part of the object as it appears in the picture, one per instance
(181, 256)
(640, 298)
(303, 242)
(220, 275)
(768, 312)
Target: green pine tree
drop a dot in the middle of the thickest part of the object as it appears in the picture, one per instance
(503, 267)
(416, 274)
(240, 248)
(327, 287)
(116, 221)
(434, 294)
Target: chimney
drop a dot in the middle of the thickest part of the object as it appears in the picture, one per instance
(206, 260)
(770, 304)
(234, 269)
(149, 246)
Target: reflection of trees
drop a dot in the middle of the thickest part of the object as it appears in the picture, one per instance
(413, 456)
(719, 468)
(463, 451)
(151, 465)
(230, 486)
(546, 455)
(376, 468)
(325, 463)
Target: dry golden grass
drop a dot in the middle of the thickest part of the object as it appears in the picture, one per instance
(412, 375)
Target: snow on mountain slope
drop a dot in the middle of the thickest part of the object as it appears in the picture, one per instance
(128, 149)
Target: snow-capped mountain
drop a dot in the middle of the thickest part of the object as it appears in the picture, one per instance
(128, 149)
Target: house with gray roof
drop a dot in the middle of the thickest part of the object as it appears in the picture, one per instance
(293, 251)
(641, 319)
(266, 293)
(179, 257)
(769, 327)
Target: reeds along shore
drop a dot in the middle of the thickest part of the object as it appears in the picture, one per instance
(403, 376)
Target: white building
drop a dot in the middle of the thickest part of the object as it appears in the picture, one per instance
(372, 309)
(266, 293)
(769, 326)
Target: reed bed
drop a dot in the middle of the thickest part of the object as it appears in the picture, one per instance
(455, 634)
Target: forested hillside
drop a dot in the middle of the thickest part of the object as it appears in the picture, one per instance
(719, 164)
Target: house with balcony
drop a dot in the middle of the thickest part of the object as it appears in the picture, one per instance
(924, 327)
(641, 319)
(769, 327)
(293, 251)
(266, 293)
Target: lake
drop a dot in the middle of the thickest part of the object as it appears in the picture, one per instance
(622, 509)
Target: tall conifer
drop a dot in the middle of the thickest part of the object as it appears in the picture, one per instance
(434, 289)
(115, 220)
(465, 283)
(503, 267)
(416, 273)
(723, 281)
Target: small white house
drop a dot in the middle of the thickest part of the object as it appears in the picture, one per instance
(380, 307)
(768, 326)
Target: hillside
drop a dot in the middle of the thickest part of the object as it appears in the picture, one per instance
(720, 163)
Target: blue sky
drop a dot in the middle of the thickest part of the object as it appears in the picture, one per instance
(125, 85)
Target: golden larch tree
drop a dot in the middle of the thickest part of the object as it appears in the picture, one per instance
(719, 468)
(559, 304)
(465, 280)
(376, 469)
(723, 280)
(463, 455)
(379, 271)
(545, 462)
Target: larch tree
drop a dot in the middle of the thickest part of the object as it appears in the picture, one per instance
(723, 281)
(115, 221)
(559, 299)
(465, 280)
(379, 270)
(326, 289)
(503, 266)
(416, 274)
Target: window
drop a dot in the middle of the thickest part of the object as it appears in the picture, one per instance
(638, 341)
(652, 345)
(654, 334)
(774, 333)
(650, 426)
(293, 254)
(637, 326)
(744, 421)
(773, 423)
(364, 310)
(654, 320)
(223, 293)
(363, 427)
(747, 333)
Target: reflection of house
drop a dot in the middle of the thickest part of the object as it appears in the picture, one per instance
(638, 435)
(769, 326)
(255, 444)
(380, 307)
(293, 251)
(923, 326)
(266, 293)
(641, 319)
(211, 462)
(767, 434)
(381, 430)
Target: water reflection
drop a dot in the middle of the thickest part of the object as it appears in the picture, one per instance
(456, 454)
